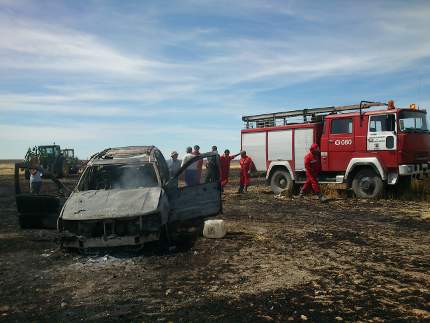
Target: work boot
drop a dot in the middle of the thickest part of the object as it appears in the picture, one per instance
(322, 198)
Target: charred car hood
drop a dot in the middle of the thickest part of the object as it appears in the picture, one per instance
(116, 203)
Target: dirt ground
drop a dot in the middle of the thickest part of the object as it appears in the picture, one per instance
(283, 259)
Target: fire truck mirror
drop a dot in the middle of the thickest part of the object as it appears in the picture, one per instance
(389, 142)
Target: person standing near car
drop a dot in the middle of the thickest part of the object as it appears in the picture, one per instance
(199, 164)
(212, 167)
(35, 178)
(174, 165)
(245, 168)
(225, 161)
(191, 170)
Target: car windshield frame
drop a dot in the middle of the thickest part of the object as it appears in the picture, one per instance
(413, 115)
(85, 184)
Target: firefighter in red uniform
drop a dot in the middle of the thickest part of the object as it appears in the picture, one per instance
(313, 168)
(245, 167)
(225, 161)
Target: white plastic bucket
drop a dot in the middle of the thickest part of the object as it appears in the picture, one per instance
(214, 229)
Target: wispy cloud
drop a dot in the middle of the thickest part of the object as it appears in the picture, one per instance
(35, 45)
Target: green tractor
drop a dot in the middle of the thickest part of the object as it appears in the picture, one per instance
(71, 163)
(49, 157)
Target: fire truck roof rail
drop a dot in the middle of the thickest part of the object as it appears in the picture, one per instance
(311, 111)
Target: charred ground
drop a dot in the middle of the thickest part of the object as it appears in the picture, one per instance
(283, 259)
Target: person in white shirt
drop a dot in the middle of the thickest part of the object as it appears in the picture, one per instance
(191, 170)
(35, 179)
(174, 165)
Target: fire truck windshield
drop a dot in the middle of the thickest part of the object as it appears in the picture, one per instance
(413, 121)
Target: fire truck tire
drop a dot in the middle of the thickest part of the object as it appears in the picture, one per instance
(281, 182)
(367, 184)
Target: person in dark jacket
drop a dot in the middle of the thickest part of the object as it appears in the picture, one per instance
(313, 169)
(212, 166)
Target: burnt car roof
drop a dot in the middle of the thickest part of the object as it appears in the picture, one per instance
(130, 154)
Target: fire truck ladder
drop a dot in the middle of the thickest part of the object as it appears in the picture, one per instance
(269, 119)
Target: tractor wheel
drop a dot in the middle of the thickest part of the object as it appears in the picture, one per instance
(281, 182)
(367, 184)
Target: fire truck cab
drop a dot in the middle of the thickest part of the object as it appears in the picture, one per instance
(363, 150)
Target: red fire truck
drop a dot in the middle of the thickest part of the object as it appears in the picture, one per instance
(361, 149)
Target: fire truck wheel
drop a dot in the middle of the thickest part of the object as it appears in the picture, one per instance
(281, 182)
(367, 184)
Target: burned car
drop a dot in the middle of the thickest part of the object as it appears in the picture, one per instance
(126, 198)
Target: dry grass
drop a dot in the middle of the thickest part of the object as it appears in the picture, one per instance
(7, 168)
(235, 164)
(419, 191)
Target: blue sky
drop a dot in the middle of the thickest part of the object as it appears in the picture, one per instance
(98, 74)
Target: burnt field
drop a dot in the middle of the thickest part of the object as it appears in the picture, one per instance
(283, 259)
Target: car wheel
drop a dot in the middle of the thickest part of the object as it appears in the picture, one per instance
(367, 184)
(281, 182)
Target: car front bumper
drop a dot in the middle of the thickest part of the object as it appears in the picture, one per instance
(69, 240)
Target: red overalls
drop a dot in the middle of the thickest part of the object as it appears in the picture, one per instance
(245, 166)
(313, 168)
(225, 168)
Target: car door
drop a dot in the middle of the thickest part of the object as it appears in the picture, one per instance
(199, 200)
(38, 211)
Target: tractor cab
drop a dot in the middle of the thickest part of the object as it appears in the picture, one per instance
(51, 159)
(71, 163)
(51, 151)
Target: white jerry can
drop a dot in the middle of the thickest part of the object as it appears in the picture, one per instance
(214, 229)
